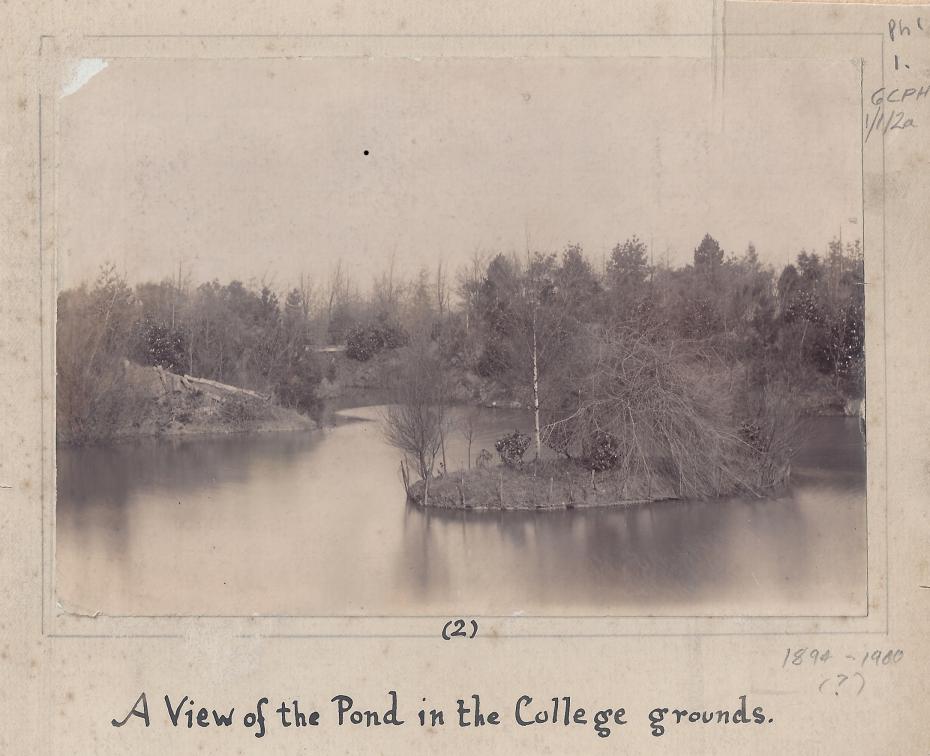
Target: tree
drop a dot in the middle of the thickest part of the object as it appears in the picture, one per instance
(442, 291)
(810, 267)
(627, 271)
(94, 334)
(788, 283)
(417, 420)
(469, 281)
(576, 285)
(468, 426)
(296, 385)
(628, 265)
(661, 411)
(539, 333)
(708, 257)
(498, 289)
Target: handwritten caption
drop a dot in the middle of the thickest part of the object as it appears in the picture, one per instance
(851, 680)
(469, 712)
(893, 106)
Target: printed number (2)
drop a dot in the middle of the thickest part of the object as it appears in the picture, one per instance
(457, 629)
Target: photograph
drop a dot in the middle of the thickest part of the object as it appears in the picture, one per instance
(542, 336)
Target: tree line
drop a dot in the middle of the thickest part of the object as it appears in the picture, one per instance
(521, 321)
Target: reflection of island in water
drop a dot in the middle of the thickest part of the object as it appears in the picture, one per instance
(316, 524)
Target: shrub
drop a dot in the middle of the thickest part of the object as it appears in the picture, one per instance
(360, 345)
(156, 343)
(364, 342)
(699, 318)
(297, 386)
(512, 448)
(602, 451)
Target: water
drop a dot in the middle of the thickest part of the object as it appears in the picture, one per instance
(317, 524)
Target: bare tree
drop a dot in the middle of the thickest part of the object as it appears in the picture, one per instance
(661, 413)
(385, 290)
(337, 283)
(468, 426)
(442, 291)
(417, 421)
(468, 285)
(307, 295)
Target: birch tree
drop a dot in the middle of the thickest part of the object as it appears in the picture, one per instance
(540, 340)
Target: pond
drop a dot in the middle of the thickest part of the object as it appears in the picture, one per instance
(317, 524)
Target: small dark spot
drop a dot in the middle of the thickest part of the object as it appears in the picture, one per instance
(366, 152)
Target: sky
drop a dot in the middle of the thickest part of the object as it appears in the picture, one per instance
(256, 169)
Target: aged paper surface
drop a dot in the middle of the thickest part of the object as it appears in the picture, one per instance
(276, 196)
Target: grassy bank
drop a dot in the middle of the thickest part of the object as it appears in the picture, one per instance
(556, 484)
(150, 401)
(549, 484)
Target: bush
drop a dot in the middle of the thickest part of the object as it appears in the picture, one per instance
(360, 344)
(602, 452)
(297, 386)
(155, 343)
(364, 342)
(512, 448)
(699, 318)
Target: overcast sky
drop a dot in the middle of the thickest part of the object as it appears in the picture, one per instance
(257, 169)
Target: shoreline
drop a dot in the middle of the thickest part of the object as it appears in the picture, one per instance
(557, 485)
(187, 433)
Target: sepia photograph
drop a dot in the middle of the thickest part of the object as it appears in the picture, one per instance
(510, 337)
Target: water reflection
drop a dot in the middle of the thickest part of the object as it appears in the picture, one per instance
(316, 523)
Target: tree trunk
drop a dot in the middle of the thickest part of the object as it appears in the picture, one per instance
(536, 388)
(442, 442)
(404, 476)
